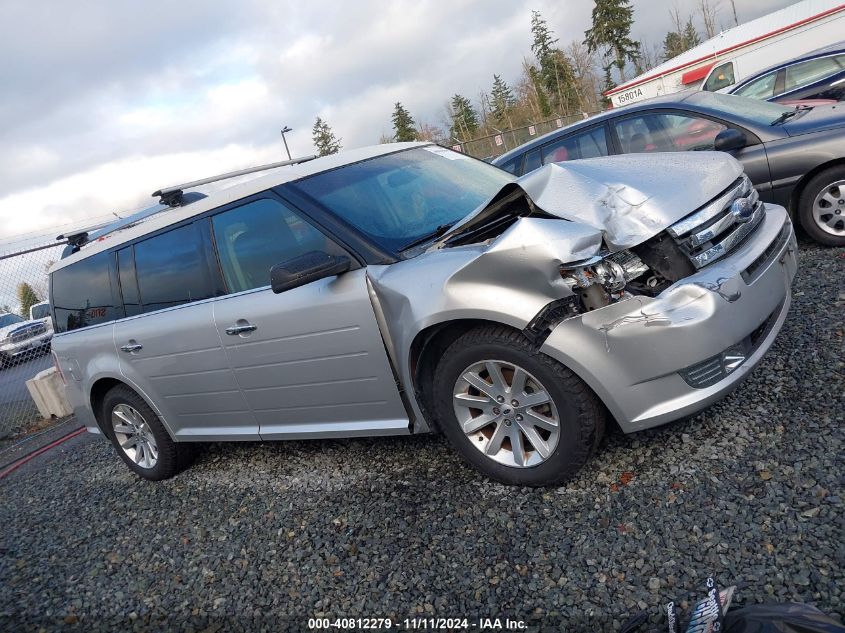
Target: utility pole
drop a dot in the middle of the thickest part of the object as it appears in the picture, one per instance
(284, 140)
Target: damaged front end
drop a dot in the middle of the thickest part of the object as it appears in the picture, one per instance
(671, 308)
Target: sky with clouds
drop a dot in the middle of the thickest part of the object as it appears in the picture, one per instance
(104, 102)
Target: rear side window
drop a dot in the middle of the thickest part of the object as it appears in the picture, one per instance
(171, 269)
(82, 294)
(589, 144)
(810, 71)
(254, 237)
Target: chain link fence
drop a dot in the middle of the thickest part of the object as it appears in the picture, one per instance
(25, 328)
(493, 145)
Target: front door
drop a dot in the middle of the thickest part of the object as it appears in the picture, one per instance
(310, 361)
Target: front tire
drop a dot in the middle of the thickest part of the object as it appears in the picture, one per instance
(821, 207)
(515, 414)
(139, 437)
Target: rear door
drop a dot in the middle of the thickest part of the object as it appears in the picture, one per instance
(168, 345)
(310, 361)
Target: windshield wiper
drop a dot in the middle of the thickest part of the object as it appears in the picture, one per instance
(440, 230)
(784, 116)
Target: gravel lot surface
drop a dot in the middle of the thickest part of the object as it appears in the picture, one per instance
(750, 490)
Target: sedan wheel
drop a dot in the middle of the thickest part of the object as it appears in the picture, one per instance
(134, 436)
(829, 209)
(821, 206)
(506, 413)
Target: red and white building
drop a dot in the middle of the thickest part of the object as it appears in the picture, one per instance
(739, 52)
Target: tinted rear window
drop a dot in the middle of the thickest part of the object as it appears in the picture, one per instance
(171, 269)
(82, 294)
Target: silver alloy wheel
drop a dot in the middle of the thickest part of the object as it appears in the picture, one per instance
(134, 435)
(506, 413)
(829, 208)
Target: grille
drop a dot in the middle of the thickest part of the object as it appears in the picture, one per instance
(713, 231)
(27, 332)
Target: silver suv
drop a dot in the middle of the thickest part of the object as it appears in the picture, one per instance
(406, 288)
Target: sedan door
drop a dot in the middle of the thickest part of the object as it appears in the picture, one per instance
(310, 360)
(676, 131)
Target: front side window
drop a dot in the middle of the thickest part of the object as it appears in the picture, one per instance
(589, 144)
(82, 294)
(667, 133)
(762, 88)
(254, 237)
(812, 70)
(171, 269)
(721, 77)
(512, 166)
(400, 198)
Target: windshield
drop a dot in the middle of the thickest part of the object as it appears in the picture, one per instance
(760, 112)
(401, 198)
(39, 311)
(9, 319)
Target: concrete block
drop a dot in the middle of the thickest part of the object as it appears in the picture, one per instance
(48, 392)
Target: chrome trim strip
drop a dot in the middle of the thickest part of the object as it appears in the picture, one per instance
(726, 245)
(711, 210)
(718, 227)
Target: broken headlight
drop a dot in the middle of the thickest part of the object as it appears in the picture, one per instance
(600, 281)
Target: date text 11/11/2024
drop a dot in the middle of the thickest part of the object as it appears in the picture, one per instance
(418, 624)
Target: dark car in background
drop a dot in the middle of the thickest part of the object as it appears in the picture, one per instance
(819, 75)
(794, 156)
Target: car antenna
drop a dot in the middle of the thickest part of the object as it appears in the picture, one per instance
(173, 196)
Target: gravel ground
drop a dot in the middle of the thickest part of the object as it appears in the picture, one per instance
(750, 490)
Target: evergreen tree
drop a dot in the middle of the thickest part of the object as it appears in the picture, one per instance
(608, 85)
(611, 31)
(691, 37)
(542, 98)
(27, 298)
(464, 118)
(677, 42)
(555, 72)
(501, 99)
(403, 124)
(325, 142)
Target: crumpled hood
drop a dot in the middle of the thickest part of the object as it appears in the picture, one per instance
(629, 198)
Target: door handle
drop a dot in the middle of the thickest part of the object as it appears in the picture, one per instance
(234, 330)
(131, 347)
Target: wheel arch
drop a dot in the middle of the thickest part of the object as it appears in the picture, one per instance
(97, 394)
(430, 343)
(798, 190)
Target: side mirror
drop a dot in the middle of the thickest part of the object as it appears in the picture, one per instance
(306, 268)
(728, 140)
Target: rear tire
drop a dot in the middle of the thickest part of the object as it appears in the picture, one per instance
(140, 438)
(543, 439)
(821, 207)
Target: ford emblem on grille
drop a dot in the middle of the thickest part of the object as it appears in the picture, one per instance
(742, 210)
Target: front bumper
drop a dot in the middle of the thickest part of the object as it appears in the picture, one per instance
(26, 347)
(653, 360)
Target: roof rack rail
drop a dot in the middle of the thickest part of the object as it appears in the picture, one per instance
(81, 237)
(175, 197)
